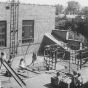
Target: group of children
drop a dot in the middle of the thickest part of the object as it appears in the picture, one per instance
(9, 61)
(22, 64)
(76, 81)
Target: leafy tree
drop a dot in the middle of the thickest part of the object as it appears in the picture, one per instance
(78, 25)
(85, 10)
(73, 7)
(59, 9)
(82, 25)
(60, 24)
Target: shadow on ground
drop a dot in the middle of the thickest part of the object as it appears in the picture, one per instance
(48, 85)
(85, 85)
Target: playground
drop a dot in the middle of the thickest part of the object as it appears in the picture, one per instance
(31, 78)
(21, 65)
(39, 73)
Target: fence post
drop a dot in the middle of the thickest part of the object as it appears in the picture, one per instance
(55, 58)
(69, 56)
(80, 55)
(80, 60)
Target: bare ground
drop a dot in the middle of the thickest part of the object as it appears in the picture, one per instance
(42, 80)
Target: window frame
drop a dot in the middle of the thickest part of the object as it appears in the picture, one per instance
(27, 40)
(4, 33)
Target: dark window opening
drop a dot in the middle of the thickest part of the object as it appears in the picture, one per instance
(2, 33)
(7, 7)
(27, 31)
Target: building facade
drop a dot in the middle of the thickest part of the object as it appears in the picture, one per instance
(33, 22)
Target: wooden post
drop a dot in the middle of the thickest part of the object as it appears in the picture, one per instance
(50, 56)
(69, 85)
(0, 84)
(80, 55)
(68, 56)
(69, 62)
(80, 60)
(80, 46)
(55, 58)
(78, 64)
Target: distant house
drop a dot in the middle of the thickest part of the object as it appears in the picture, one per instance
(71, 16)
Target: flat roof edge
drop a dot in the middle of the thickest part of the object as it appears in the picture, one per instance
(30, 4)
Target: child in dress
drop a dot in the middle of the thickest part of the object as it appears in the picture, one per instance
(22, 65)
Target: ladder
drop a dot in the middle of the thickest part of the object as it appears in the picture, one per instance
(14, 7)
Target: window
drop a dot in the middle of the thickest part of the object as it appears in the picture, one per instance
(27, 31)
(2, 33)
(7, 7)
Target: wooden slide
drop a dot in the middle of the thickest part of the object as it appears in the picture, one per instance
(15, 76)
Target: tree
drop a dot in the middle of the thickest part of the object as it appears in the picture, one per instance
(78, 25)
(82, 25)
(73, 7)
(59, 9)
(85, 10)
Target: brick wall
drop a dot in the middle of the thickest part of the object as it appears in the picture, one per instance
(44, 21)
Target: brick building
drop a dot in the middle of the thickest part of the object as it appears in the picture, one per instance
(34, 21)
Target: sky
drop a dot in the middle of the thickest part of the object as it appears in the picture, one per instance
(51, 2)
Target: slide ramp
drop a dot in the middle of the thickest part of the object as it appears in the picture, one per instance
(15, 76)
(60, 43)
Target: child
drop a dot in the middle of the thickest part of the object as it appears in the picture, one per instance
(22, 65)
(74, 79)
(80, 80)
(2, 58)
(34, 58)
(55, 80)
(11, 58)
(8, 74)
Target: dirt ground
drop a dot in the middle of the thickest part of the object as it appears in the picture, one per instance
(42, 79)
(32, 79)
